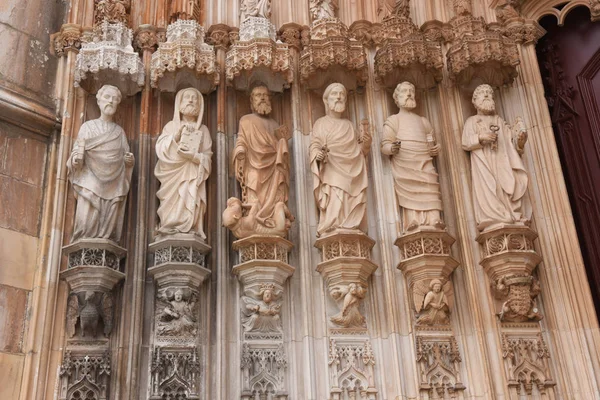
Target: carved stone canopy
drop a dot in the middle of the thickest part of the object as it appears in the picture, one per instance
(109, 58)
(184, 60)
(405, 55)
(330, 56)
(479, 53)
(261, 60)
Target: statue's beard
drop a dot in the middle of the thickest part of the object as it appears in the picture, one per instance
(190, 110)
(409, 103)
(338, 106)
(486, 105)
(263, 108)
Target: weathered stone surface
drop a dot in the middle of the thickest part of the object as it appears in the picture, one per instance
(18, 253)
(11, 366)
(19, 205)
(13, 305)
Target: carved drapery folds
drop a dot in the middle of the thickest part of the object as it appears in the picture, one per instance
(478, 52)
(84, 375)
(405, 54)
(330, 55)
(439, 360)
(351, 369)
(109, 58)
(183, 52)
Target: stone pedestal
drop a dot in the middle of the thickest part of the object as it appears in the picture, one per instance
(179, 260)
(257, 28)
(509, 260)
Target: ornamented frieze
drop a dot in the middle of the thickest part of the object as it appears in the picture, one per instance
(175, 373)
(184, 51)
(330, 55)
(351, 369)
(439, 359)
(84, 376)
(109, 58)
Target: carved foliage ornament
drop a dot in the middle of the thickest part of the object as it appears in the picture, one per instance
(68, 39)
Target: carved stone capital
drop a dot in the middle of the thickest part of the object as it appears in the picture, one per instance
(595, 10)
(145, 38)
(179, 260)
(218, 35)
(263, 259)
(362, 32)
(523, 31)
(68, 39)
(93, 265)
(291, 35)
(183, 54)
(259, 60)
(330, 55)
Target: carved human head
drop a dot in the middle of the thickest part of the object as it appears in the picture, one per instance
(190, 102)
(267, 292)
(108, 98)
(178, 296)
(404, 95)
(260, 100)
(233, 212)
(435, 285)
(483, 99)
(334, 98)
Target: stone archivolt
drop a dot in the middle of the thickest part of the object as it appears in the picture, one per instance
(331, 55)
(184, 48)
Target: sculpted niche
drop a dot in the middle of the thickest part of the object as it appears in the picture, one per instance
(409, 141)
(261, 163)
(339, 167)
(99, 169)
(498, 174)
(184, 152)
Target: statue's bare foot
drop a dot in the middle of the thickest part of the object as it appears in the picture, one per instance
(439, 224)
(412, 226)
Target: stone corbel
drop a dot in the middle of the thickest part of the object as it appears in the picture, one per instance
(68, 39)
(184, 59)
(330, 55)
(509, 259)
(145, 38)
(291, 35)
(346, 267)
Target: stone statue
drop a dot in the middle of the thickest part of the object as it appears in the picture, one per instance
(498, 174)
(262, 166)
(320, 9)
(260, 311)
(339, 167)
(255, 8)
(184, 160)
(350, 297)
(434, 308)
(408, 139)
(176, 314)
(100, 169)
(89, 308)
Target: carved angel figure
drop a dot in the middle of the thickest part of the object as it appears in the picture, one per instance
(89, 308)
(176, 316)
(323, 9)
(261, 311)
(350, 298)
(431, 302)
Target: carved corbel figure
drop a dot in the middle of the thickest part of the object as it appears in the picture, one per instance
(433, 302)
(261, 311)
(519, 293)
(349, 299)
(175, 314)
(89, 308)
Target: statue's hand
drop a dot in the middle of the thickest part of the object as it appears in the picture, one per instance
(187, 154)
(488, 138)
(177, 136)
(396, 147)
(129, 159)
(434, 151)
(77, 158)
(241, 156)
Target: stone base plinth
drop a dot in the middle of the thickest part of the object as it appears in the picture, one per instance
(426, 255)
(346, 258)
(93, 265)
(508, 250)
(179, 260)
(263, 259)
(257, 28)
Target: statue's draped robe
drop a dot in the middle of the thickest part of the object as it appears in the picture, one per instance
(255, 8)
(339, 184)
(101, 182)
(416, 181)
(499, 179)
(265, 166)
(431, 315)
(182, 190)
